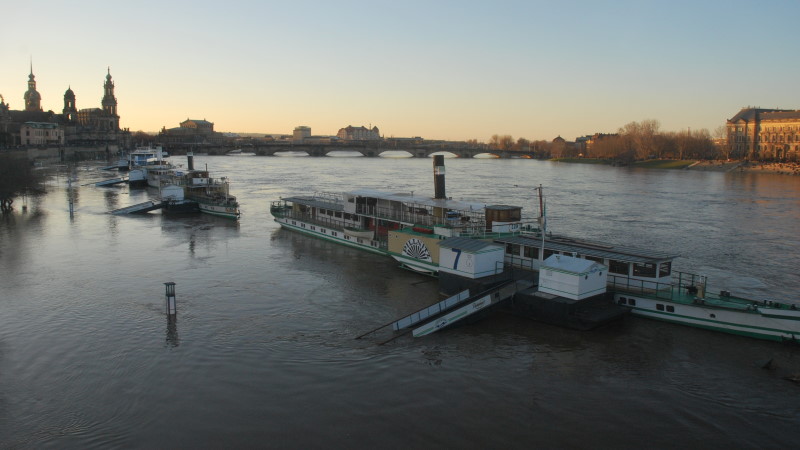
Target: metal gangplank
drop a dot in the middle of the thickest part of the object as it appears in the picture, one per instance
(111, 182)
(139, 208)
(452, 310)
(467, 307)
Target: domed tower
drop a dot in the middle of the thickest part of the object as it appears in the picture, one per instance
(70, 110)
(33, 101)
(110, 103)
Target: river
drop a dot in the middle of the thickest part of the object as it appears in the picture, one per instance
(263, 354)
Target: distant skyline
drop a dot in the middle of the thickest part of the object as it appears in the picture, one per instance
(438, 69)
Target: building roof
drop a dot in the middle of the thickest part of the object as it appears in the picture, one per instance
(41, 125)
(32, 116)
(780, 115)
(749, 114)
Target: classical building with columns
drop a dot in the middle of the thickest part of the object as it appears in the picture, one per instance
(765, 134)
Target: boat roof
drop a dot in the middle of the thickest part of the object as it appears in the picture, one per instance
(467, 244)
(318, 202)
(407, 197)
(569, 264)
(606, 251)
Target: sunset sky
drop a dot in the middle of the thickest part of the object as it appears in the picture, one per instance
(450, 70)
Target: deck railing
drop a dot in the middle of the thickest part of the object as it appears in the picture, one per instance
(331, 223)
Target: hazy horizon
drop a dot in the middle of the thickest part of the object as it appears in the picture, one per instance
(440, 70)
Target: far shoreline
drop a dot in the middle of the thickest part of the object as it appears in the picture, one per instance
(786, 168)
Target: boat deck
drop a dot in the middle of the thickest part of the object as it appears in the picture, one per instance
(685, 291)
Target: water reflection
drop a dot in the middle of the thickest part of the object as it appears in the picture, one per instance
(172, 339)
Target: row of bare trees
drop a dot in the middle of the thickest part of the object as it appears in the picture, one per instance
(645, 140)
(634, 141)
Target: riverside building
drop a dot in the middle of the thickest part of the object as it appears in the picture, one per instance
(765, 134)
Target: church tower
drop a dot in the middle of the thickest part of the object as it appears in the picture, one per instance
(33, 101)
(70, 110)
(111, 119)
(109, 101)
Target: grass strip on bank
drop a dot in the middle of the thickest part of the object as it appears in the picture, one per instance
(649, 164)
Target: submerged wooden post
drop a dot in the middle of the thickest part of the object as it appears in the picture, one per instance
(172, 309)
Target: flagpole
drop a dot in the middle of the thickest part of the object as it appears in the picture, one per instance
(542, 216)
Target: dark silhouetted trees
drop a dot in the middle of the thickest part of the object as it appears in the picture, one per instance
(16, 176)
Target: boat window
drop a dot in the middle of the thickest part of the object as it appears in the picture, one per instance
(670, 308)
(338, 214)
(530, 252)
(548, 253)
(322, 211)
(632, 301)
(333, 233)
(644, 269)
(618, 267)
(512, 249)
(665, 269)
(659, 306)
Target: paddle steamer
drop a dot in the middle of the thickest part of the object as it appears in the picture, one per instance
(413, 230)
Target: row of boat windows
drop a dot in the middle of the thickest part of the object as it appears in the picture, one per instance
(338, 214)
(632, 302)
(332, 233)
(617, 267)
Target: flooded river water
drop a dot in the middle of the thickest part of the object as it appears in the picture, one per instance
(263, 352)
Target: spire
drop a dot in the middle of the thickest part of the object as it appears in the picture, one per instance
(33, 100)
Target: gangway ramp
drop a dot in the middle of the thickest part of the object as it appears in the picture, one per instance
(139, 208)
(111, 182)
(431, 311)
(471, 306)
(447, 312)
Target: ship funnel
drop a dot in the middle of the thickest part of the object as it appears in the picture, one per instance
(190, 160)
(438, 176)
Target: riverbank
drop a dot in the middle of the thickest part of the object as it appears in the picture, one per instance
(747, 166)
(709, 166)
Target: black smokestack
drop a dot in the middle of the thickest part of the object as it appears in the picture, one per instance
(438, 176)
(190, 160)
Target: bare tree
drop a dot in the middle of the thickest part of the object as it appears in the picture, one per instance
(522, 145)
(494, 141)
(506, 142)
(643, 137)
